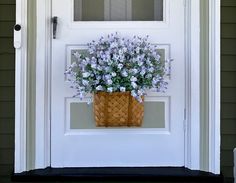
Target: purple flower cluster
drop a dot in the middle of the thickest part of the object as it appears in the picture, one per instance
(116, 64)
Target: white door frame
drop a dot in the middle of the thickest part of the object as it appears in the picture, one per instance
(192, 57)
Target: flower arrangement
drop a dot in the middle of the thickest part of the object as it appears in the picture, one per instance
(116, 64)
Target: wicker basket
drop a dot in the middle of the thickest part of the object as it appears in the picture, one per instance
(117, 109)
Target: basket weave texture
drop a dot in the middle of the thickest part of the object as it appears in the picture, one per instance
(117, 109)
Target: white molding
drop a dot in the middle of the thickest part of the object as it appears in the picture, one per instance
(21, 88)
(214, 86)
(43, 60)
(192, 58)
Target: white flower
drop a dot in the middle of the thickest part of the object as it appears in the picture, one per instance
(110, 89)
(83, 63)
(135, 71)
(99, 68)
(140, 63)
(108, 69)
(143, 72)
(89, 101)
(77, 55)
(94, 66)
(139, 99)
(81, 95)
(98, 77)
(107, 77)
(122, 89)
(151, 69)
(99, 88)
(149, 76)
(133, 79)
(85, 82)
(109, 82)
(134, 85)
(113, 74)
(74, 64)
(113, 45)
(154, 81)
(121, 52)
(124, 49)
(140, 92)
(124, 73)
(120, 66)
(86, 74)
(133, 93)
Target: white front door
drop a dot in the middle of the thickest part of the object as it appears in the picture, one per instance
(75, 140)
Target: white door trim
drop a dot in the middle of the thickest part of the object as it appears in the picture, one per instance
(43, 73)
(214, 86)
(192, 59)
(20, 43)
(43, 57)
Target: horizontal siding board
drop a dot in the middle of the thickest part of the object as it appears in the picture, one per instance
(228, 111)
(227, 158)
(7, 109)
(228, 126)
(6, 46)
(228, 79)
(7, 2)
(7, 62)
(227, 171)
(7, 78)
(7, 94)
(228, 95)
(6, 156)
(6, 141)
(228, 63)
(6, 29)
(6, 170)
(228, 30)
(7, 126)
(5, 179)
(228, 3)
(228, 142)
(228, 14)
(228, 46)
(7, 12)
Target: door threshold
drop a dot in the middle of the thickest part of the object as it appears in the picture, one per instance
(164, 174)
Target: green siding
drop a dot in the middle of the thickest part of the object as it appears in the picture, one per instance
(7, 67)
(228, 85)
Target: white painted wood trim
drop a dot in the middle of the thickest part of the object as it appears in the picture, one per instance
(214, 86)
(21, 88)
(43, 70)
(192, 50)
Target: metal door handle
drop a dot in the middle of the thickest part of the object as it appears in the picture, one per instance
(54, 22)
